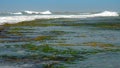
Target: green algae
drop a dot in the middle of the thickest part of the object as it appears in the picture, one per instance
(47, 53)
(41, 38)
(55, 54)
(65, 22)
(2, 28)
(33, 23)
(18, 30)
(58, 32)
(48, 49)
(98, 44)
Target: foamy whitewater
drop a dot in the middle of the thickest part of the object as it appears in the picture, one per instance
(32, 15)
(34, 12)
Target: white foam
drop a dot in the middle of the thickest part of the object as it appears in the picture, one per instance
(17, 13)
(34, 12)
(15, 19)
(106, 13)
(46, 12)
(31, 12)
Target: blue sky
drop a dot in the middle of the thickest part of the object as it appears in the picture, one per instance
(60, 5)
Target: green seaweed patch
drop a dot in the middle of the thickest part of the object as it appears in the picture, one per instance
(32, 23)
(54, 65)
(113, 49)
(48, 49)
(2, 28)
(109, 25)
(20, 28)
(16, 31)
(98, 44)
(3, 37)
(19, 31)
(55, 54)
(58, 32)
(65, 44)
(47, 53)
(104, 25)
(41, 38)
(95, 51)
(83, 35)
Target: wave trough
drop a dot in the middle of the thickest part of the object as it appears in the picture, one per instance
(16, 19)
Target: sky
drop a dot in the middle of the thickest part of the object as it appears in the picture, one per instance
(60, 5)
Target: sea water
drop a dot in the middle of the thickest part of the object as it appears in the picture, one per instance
(75, 30)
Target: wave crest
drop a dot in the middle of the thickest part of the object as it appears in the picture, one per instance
(34, 12)
(17, 13)
(107, 13)
(46, 12)
(31, 12)
(15, 19)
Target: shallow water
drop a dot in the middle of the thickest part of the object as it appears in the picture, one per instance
(100, 44)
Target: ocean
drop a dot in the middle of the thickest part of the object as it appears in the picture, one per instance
(11, 17)
(32, 39)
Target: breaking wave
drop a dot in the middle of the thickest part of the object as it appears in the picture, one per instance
(17, 13)
(32, 12)
(15, 19)
(106, 13)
